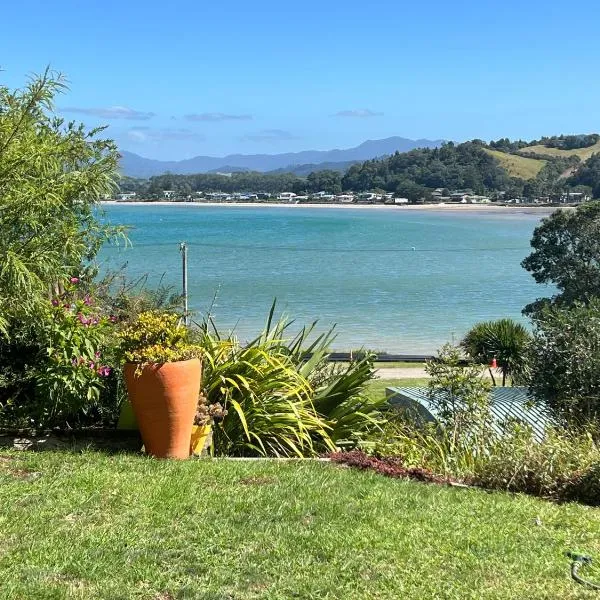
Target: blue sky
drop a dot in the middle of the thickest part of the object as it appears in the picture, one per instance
(182, 78)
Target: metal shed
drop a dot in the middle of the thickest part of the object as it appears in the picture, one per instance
(506, 403)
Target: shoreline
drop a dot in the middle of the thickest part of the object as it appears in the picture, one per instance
(480, 208)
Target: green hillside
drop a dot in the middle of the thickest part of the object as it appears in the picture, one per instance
(518, 166)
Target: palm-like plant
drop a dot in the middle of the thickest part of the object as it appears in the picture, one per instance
(504, 340)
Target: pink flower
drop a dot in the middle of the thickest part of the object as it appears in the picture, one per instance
(97, 355)
(82, 319)
(104, 371)
(112, 319)
(74, 280)
(92, 365)
(54, 302)
(87, 300)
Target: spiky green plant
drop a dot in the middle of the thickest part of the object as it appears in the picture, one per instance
(270, 410)
(282, 394)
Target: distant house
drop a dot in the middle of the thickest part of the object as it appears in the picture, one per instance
(286, 196)
(345, 198)
(506, 404)
(125, 196)
(400, 200)
(459, 197)
(168, 194)
(369, 197)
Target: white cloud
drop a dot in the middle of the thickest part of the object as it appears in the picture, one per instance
(112, 112)
(359, 113)
(216, 117)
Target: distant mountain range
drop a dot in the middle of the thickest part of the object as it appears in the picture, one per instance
(134, 165)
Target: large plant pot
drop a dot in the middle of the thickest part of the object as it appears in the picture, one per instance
(164, 398)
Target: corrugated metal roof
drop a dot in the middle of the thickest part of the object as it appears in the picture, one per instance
(506, 403)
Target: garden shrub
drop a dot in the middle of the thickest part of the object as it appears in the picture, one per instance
(516, 462)
(268, 403)
(70, 353)
(283, 396)
(565, 362)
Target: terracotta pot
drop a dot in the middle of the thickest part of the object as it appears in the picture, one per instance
(164, 398)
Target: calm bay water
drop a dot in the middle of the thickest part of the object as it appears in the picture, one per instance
(394, 280)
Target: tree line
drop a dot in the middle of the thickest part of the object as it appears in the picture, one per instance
(413, 175)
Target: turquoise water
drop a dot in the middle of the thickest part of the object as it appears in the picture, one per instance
(353, 267)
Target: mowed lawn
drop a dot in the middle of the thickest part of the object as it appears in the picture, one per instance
(95, 526)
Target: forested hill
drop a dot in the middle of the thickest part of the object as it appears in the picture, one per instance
(519, 169)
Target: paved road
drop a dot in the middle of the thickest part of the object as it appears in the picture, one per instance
(401, 373)
(417, 373)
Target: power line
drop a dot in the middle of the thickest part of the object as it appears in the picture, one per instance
(337, 250)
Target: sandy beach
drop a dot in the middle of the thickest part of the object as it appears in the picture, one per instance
(466, 208)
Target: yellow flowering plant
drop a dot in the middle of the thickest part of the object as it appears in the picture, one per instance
(157, 337)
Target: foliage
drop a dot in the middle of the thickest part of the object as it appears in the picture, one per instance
(589, 174)
(51, 176)
(126, 299)
(325, 181)
(183, 185)
(561, 466)
(340, 393)
(270, 412)
(565, 361)
(458, 394)
(66, 378)
(282, 394)
(570, 142)
(75, 336)
(505, 340)
(553, 467)
(156, 337)
(566, 253)
(453, 166)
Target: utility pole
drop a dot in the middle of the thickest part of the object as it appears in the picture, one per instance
(183, 249)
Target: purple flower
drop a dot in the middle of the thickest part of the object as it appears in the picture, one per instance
(104, 371)
(74, 280)
(82, 319)
(97, 355)
(87, 300)
(113, 319)
(54, 302)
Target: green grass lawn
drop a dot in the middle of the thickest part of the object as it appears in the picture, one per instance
(377, 386)
(94, 526)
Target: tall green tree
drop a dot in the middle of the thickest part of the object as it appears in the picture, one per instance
(52, 174)
(566, 254)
